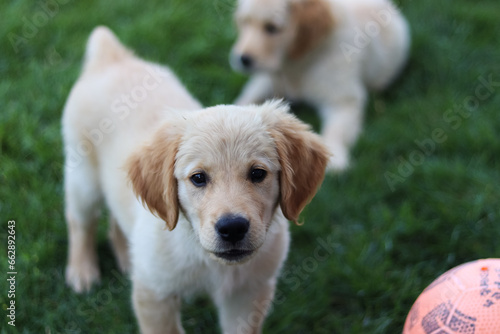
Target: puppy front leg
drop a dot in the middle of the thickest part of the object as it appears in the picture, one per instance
(244, 311)
(256, 90)
(341, 127)
(156, 315)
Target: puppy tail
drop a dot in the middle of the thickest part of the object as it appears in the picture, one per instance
(104, 48)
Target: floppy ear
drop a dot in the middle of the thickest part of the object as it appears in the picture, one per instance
(303, 159)
(314, 22)
(151, 172)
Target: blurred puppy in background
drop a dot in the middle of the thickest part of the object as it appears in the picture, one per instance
(223, 180)
(324, 52)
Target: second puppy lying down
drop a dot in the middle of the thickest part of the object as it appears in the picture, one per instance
(223, 180)
(324, 52)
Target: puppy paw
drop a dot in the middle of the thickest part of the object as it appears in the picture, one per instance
(81, 278)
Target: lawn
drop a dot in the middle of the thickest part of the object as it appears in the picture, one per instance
(422, 195)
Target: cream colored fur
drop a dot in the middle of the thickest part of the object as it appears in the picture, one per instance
(324, 52)
(133, 134)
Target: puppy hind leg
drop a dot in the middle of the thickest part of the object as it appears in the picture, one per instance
(83, 196)
(119, 244)
(156, 315)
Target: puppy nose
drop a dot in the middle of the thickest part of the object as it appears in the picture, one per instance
(232, 228)
(246, 61)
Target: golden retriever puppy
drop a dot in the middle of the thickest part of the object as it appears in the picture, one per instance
(199, 197)
(324, 52)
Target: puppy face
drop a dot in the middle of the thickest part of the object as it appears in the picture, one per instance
(271, 31)
(265, 32)
(228, 169)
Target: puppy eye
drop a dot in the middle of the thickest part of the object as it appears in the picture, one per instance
(199, 179)
(271, 28)
(257, 175)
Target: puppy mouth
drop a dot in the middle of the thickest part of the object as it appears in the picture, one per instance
(234, 255)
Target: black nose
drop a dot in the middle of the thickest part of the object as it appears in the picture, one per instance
(246, 61)
(232, 228)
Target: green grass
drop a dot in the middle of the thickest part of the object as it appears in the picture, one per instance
(389, 239)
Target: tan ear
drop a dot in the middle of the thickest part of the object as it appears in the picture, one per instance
(303, 159)
(151, 172)
(314, 22)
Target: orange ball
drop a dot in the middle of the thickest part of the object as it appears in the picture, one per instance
(464, 300)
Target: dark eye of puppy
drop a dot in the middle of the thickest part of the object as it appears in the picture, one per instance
(199, 179)
(257, 175)
(271, 28)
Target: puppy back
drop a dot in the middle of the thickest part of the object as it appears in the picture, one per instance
(104, 48)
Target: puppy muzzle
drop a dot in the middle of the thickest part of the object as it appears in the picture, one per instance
(233, 244)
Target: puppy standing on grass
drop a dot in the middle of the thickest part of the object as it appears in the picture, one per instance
(216, 185)
(324, 52)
